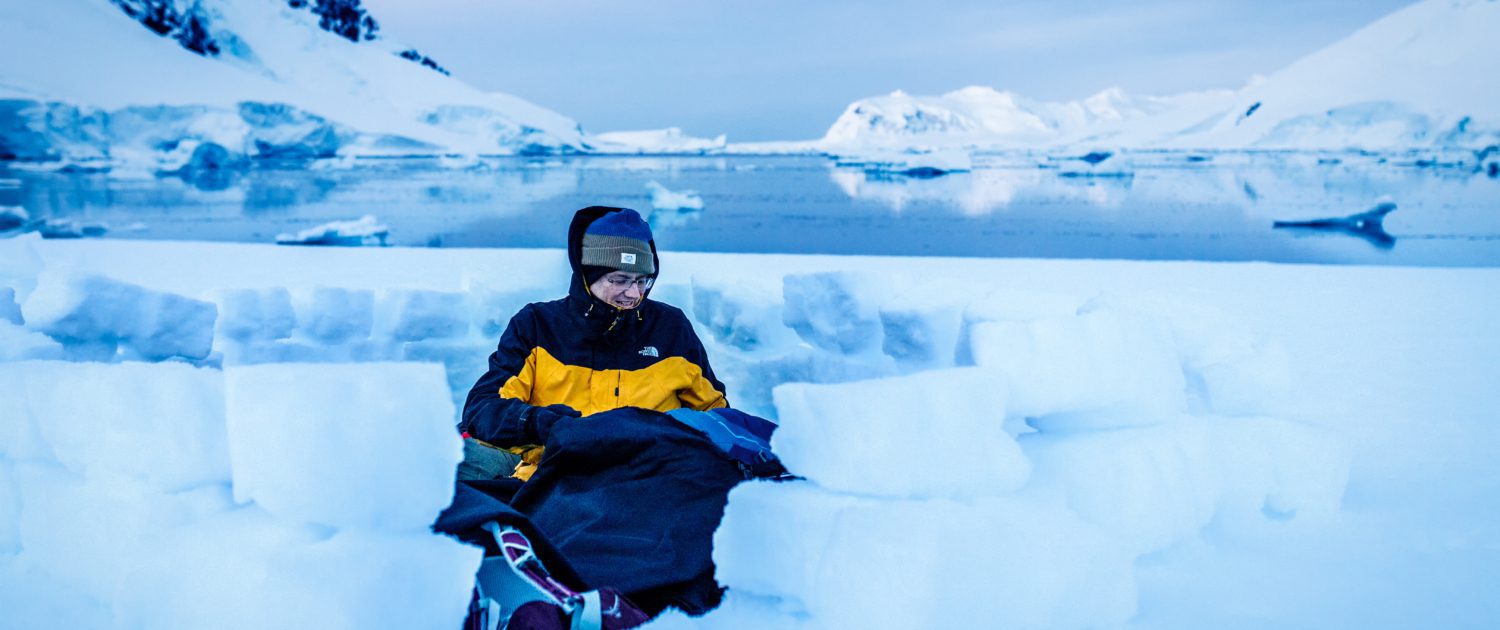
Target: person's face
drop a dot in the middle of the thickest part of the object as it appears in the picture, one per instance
(621, 289)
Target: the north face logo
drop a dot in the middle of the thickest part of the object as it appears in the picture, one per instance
(627, 258)
(649, 351)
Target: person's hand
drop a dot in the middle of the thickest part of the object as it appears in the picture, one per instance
(542, 419)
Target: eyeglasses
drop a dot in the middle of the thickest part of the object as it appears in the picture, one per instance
(621, 282)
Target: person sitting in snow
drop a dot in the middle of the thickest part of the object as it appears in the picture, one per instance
(604, 346)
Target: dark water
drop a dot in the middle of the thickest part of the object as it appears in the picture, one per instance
(1162, 208)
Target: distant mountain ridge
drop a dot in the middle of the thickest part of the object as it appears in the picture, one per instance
(1423, 77)
(192, 27)
(982, 116)
(78, 82)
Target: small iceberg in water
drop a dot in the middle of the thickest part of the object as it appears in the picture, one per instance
(1368, 225)
(672, 208)
(365, 231)
(917, 163)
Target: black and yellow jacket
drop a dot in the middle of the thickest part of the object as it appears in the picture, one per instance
(584, 353)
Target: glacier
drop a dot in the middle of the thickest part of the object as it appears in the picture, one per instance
(82, 82)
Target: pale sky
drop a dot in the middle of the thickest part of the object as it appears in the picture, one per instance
(785, 69)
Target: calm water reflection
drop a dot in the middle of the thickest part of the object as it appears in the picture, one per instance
(1154, 207)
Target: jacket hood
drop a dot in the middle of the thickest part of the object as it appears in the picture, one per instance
(578, 285)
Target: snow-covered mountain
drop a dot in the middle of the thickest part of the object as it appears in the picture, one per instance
(1423, 77)
(156, 80)
(982, 116)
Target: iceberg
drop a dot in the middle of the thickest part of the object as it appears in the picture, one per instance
(364, 231)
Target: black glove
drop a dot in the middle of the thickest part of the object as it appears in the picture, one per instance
(539, 426)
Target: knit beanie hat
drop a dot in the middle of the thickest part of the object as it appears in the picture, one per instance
(619, 240)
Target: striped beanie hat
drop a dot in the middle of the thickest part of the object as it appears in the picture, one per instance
(619, 240)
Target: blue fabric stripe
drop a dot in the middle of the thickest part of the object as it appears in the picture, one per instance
(625, 223)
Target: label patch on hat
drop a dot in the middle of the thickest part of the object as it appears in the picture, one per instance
(627, 258)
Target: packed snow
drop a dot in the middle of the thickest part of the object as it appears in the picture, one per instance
(1032, 443)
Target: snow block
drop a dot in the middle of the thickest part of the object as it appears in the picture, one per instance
(160, 423)
(1101, 360)
(464, 363)
(738, 610)
(262, 315)
(1229, 369)
(88, 310)
(336, 315)
(94, 533)
(495, 306)
(10, 310)
(937, 433)
(420, 315)
(1010, 305)
(31, 598)
(751, 386)
(833, 311)
(993, 562)
(1278, 470)
(1152, 486)
(20, 264)
(920, 323)
(241, 570)
(20, 439)
(20, 344)
(368, 446)
(742, 312)
(1247, 382)
(922, 337)
(10, 510)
